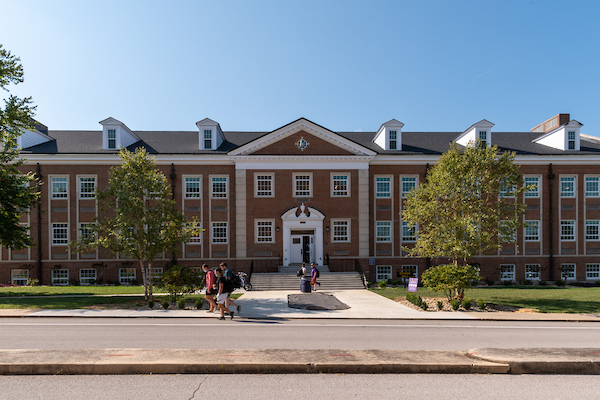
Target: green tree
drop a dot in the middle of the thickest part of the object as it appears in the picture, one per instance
(467, 206)
(179, 280)
(137, 216)
(18, 192)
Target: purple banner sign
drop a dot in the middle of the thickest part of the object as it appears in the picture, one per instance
(412, 284)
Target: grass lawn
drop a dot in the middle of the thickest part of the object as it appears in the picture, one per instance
(70, 290)
(544, 299)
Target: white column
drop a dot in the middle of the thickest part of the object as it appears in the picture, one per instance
(363, 213)
(240, 213)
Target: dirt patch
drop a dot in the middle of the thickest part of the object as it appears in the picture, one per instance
(432, 305)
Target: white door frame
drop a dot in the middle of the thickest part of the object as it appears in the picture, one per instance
(314, 222)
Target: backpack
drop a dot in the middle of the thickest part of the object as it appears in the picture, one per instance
(299, 273)
(236, 282)
(318, 274)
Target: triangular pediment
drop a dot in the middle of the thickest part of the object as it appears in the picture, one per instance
(302, 137)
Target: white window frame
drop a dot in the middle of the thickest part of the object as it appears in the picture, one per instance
(531, 231)
(85, 276)
(393, 136)
(208, 138)
(570, 275)
(571, 145)
(383, 272)
(413, 269)
(60, 277)
(340, 177)
(86, 195)
(113, 138)
(83, 229)
(533, 193)
(412, 180)
(54, 185)
(192, 180)
(568, 187)
(592, 230)
(259, 235)
(196, 239)
(507, 272)
(383, 238)
(595, 181)
(506, 191)
(216, 227)
(19, 276)
(564, 235)
(299, 177)
(482, 136)
(217, 180)
(406, 228)
(592, 271)
(338, 226)
(126, 275)
(532, 272)
(384, 181)
(57, 228)
(506, 239)
(262, 179)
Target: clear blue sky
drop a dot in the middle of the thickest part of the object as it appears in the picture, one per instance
(347, 65)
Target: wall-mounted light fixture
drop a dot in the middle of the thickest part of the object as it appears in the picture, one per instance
(327, 228)
(277, 229)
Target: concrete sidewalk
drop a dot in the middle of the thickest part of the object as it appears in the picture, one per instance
(221, 361)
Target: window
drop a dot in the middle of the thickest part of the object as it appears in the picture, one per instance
(208, 139)
(483, 138)
(340, 185)
(219, 232)
(592, 271)
(112, 138)
(341, 230)
(591, 186)
(302, 185)
(219, 187)
(506, 232)
(532, 272)
(60, 234)
(196, 237)
(59, 187)
(60, 277)
(264, 231)
(86, 232)
(393, 140)
(87, 187)
(567, 186)
(409, 271)
(507, 272)
(408, 184)
(409, 232)
(567, 230)
(384, 231)
(506, 190)
(532, 231)
(384, 272)
(20, 276)
(567, 272)
(533, 182)
(87, 276)
(264, 185)
(571, 140)
(591, 229)
(157, 273)
(383, 187)
(192, 187)
(126, 275)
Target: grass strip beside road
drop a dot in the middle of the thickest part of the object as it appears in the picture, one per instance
(544, 299)
(72, 303)
(11, 291)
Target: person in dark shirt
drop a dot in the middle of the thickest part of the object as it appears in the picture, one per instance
(228, 275)
(222, 294)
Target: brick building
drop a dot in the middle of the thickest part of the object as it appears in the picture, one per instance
(305, 193)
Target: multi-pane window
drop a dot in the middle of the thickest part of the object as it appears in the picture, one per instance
(264, 185)
(506, 190)
(592, 271)
(408, 184)
(592, 231)
(60, 234)
(86, 232)
(591, 186)
(196, 237)
(567, 186)
(208, 139)
(567, 230)
(219, 232)
(341, 230)
(383, 187)
(533, 183)
(192, 187)
(483, 138)
(219, 187)
(340, 185)
(112, 138)
(59, 187)
(571, 140)
(20, 276)
(302, 185)
(409, 232)
(264, 231)
(567, 271)
(393, 140)
(384, 233)
(87, 276)
(506, 232)
(126, 275)
(532, 272)
(87, 187)
(532, 231)
(507, 272)
(384, 272)
(409, 271)
(60, 277)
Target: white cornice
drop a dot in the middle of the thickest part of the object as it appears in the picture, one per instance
(301, 162)
(112, 159)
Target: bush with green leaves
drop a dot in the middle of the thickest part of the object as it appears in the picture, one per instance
(179, 280)
(466, 303)
(440, 305)
(181, 304)
(381, 284)
(450, 279)
(199, 303)
(455, 304)
(559, 282)
(481, 304)
(417, 301)
(165, 302)
(542, 283)
(151, 303)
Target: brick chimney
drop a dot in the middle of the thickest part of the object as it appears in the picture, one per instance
(552, 123)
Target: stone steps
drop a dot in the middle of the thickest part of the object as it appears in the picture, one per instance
(289, 281)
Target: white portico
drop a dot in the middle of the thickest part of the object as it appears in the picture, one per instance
(302, 235)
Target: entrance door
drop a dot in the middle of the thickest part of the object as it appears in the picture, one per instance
(301, 249)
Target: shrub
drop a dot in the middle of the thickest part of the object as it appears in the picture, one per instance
(165, 302)
(455, 304)
(181, 304)
(74, 282)
(481, 304)
(466, 303)
(416, 300)
(489, 282)
(151, 303)
(179, 280)
(450, 279)
(33, 282)
(424, 305)
(525, 282)
(542, 283)
(199, 303)
(135, 282)
(507, 283)
(381, 284)
(397, 283)
(559, 282)
(440, 305)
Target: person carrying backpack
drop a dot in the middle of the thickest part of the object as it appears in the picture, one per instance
(314, 274)
(229, 286)
(222, 295)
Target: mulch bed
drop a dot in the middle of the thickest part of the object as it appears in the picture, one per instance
(432, 306)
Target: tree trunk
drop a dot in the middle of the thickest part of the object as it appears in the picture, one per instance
(150, 276)
(145, 280)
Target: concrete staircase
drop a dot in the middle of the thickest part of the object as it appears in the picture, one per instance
(286, 279)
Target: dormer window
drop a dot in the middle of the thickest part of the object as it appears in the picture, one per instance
(208, 139)
(393, 138)
(112, 139)
(479, 133)
(389, 135)
(116, 134)
(483, 138)
(571, 140)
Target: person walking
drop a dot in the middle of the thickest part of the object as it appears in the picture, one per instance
(228, 275)
(211, 287)
(222, 294)
(314, 274)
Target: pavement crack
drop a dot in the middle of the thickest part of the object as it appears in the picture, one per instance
(199, 386)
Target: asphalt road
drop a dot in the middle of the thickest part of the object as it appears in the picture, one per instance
(78, 333)
(301, 387)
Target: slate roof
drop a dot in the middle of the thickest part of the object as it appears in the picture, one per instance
(186, 142)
